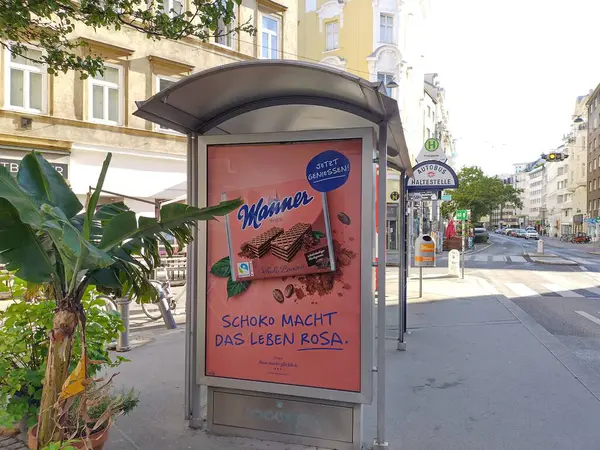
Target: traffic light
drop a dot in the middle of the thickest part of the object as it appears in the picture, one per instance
(554, 156)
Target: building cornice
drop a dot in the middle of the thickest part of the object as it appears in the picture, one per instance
(34, 143)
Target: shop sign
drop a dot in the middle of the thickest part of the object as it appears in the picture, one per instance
(13, 166)
(283, 296)
(432, 176)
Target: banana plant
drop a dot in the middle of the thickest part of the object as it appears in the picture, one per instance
(48, 237)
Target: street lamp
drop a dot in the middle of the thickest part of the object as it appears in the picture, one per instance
(578, 119)
(392, 84)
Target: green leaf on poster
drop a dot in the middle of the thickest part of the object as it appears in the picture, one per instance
(318, 234)
(236, 287)
(222, 268)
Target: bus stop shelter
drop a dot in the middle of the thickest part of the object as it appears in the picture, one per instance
(280, 96)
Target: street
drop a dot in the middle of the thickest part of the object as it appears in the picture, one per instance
(565, 300)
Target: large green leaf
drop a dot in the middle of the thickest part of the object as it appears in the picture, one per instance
(122, 224)
(71, 243)
(175, 219)
(26, 205)
(41, 180)
(91, 206)
(21, 250)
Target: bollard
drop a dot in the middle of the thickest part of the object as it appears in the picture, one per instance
(540, 247)
(123, 306)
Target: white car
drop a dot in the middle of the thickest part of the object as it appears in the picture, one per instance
(532, 234)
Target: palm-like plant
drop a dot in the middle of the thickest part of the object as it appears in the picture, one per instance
(47, 239)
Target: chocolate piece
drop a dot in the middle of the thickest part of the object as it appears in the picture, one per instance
(287, 244)
(278, 295)
(343, 218)
(259, 245)
(289, 290)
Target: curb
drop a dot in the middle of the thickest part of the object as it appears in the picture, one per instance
(541, 255)
(157, 324)
(564, 262)
(583, 373)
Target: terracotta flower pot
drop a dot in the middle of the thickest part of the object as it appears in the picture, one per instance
(97, 440)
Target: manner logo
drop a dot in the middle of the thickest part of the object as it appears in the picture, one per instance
(254, 214)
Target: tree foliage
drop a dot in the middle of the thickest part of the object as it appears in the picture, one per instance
(50, 25)
(480, 193)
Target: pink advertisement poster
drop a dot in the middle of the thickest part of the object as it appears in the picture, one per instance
(299, 327)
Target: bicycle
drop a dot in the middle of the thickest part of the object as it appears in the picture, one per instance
(110, 305)
(151, 309)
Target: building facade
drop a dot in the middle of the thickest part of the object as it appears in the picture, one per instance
(74, 123)
(593, 155)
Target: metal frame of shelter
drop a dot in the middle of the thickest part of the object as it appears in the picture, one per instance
(264, 97)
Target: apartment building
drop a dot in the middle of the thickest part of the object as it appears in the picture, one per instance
(377, 40)
(507, 215)
(593, 155)
(74, 122)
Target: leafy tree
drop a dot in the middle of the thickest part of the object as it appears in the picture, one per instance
(50, 25)
(49, 239)
(480, 194)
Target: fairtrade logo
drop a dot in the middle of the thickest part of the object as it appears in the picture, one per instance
(244, 269)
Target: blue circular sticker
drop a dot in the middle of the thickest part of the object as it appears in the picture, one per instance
(328, 171)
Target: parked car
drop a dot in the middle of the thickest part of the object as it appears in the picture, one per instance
(509, 231)
(532, 234)
(481, 235)
(498, 231)
(521, 233)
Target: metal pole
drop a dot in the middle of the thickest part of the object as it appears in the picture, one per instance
(420, 282)
(123, 306)
(411, 225)
(380, 442)
(462, 267)
(402, 275)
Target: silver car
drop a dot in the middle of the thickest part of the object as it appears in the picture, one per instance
(532, 234)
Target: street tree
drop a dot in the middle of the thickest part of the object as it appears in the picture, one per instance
(50, 26)
(480, 194)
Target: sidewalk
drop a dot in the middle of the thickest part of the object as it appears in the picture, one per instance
(592, 247)
(478, 373)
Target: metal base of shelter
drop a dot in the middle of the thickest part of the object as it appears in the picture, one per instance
(287, 419)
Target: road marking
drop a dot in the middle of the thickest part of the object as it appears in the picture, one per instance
(479, 258)
(593, 289)
(586, 262)
(488, 287)
(498, 258)
(517, 259)
(522, 290)
(589, 317)
(562, 291)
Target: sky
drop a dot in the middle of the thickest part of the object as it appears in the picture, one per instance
(512, 70)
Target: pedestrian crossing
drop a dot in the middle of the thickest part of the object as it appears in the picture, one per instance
(513, 284)
(496, 258)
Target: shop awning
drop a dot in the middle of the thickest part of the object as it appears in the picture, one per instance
(267, 96)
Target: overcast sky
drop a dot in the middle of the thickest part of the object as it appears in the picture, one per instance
(512, 70)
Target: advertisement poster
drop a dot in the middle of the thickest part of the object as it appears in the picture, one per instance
(300, 329)
(280, 230)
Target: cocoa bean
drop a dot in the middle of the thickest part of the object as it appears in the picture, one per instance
(289, 290)
(278, 295)
(342, 217)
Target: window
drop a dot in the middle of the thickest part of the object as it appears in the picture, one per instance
(173, 7)
(223, 35)
(105, 96)
(270, 37)
(428, 133)
(590, 167)
(594, 164)
(590, 186)
(163, 83)
(385, 78)
(428, 111)
(595, 184)
(386, 28)
(332, 35)
(25, 81)
(594, 208)
(589, 205)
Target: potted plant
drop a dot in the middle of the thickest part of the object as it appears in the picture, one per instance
(24, 347)
(50, 239)
(89, 416)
